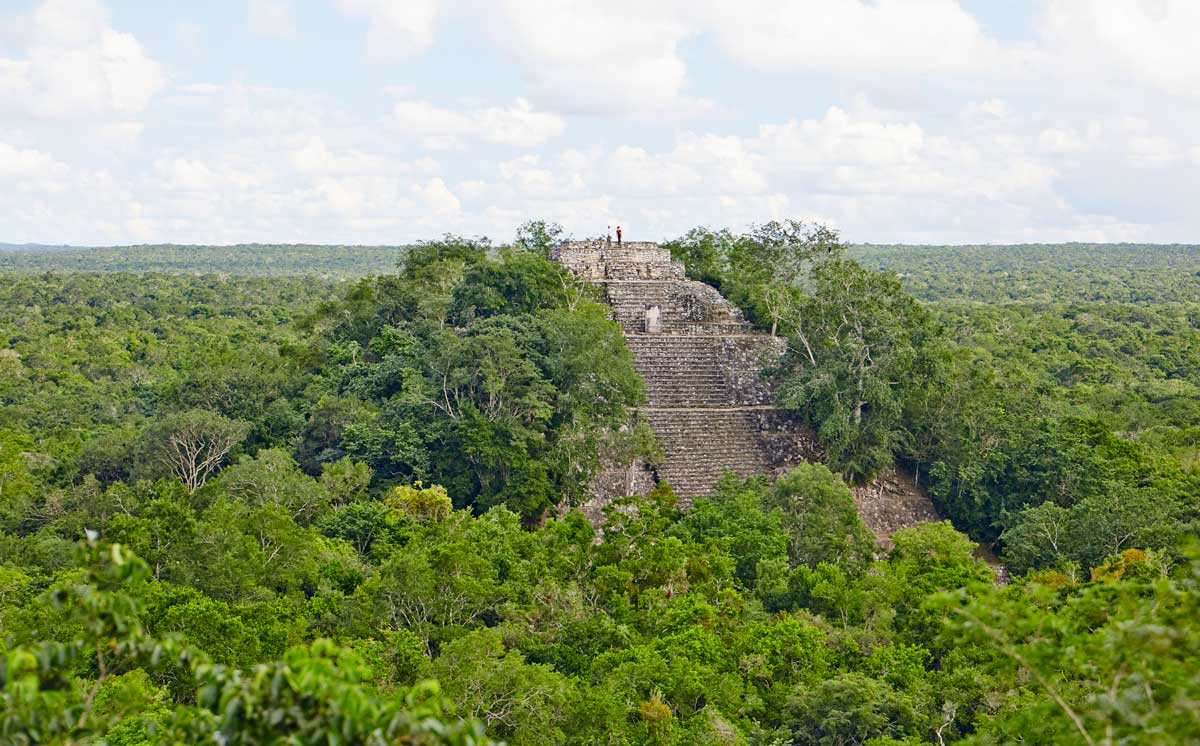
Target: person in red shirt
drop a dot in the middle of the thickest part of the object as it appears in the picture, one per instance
(618, 235)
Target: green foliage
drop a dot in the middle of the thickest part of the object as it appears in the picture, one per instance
(855, 343)
(346, 481)
(538, 237)
(1088, 531)
(521, 284)
(704, 254)
(1043, 273)
(272, 477)
(493, 378)
(820, 519)
(1106, 661)
(319, 695)
(310, 584)
(853, 708)
(520, 702)
(420, 503)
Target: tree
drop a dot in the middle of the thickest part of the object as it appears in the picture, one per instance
(17, 485)
(345, 480)
(925, 560)
(704, 253)
(737, 520)
(319, 693)
(523, 703)
(272, 477)
(821, 519)
(538, 237)
(1049, 535)
(366, 525)
(163, 533)
(193, 445)
(521, 283)
(421, 503)
(771, 262)
(853, 708)
(855, 342)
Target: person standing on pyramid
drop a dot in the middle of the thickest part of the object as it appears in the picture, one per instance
(618, 235)
(609, 234)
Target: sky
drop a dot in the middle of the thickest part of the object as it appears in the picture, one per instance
(388, 121)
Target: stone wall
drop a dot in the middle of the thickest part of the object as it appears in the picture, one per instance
(599, 261)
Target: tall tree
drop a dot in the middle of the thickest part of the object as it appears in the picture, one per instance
(855, 342)
(193, 445)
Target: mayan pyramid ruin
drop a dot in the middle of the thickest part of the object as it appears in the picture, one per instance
(707, 400)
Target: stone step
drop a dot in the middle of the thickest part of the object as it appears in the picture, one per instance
(702, 443)
(700, 367)
(681, 303)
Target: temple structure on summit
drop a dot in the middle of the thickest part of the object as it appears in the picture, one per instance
(706, 397)
(701, 361)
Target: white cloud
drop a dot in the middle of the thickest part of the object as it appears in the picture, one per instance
(121, 133)
(854, 153)
(569, 175)
(76, 65)
(1152, 42)
(313, 156)
(1067, 140)
(624, 56)
(438, 197)
(884, 36)
(639, 172)
(192, 175)
(271, 18)
(992, 107)
(517, 125)
(371, 197)
(868, 171)
(619, 56)
(527, 177)
(246, 110)
(974, 139)
(397, 27)
(31, 170)
(438, 128)
(1152, 149)
(730, 166)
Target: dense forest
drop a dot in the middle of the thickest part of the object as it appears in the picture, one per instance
(239, 260)
(326, 495)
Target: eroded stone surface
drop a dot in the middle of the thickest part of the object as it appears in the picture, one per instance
(891, 502)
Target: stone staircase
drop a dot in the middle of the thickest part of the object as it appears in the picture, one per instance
(686, 307)
(696, 370)
(702, 443)
(700, 359)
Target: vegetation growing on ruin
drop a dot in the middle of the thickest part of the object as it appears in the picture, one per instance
(1067, 431)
